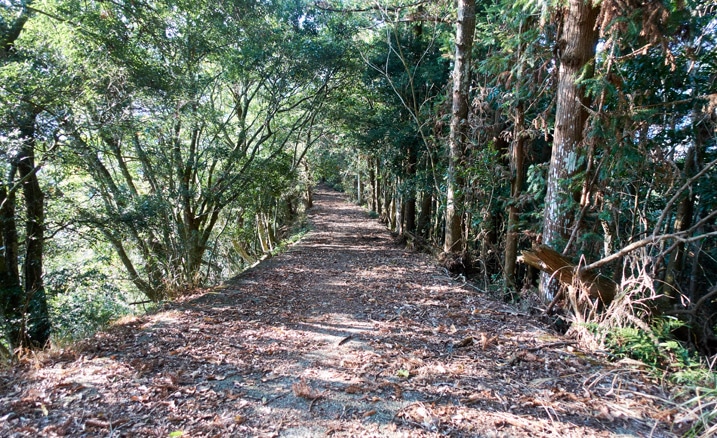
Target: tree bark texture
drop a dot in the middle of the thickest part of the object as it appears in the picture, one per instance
(309, 197)
(517, 168)
(372, 181)
(377, 192)
(424, 217)
(11, 294)
(23, 300)
(577, 45)
(38, 324)
(410, 202)
(12, 31)
(458, 137)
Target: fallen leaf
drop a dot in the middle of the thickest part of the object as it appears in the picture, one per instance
(353, 389)
(486, 341)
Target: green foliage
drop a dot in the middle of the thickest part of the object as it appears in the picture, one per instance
(162, 130)
(83, 302)
(168, 131)
(694, 379)
(190, 115)
(696, 375)
(657, 347)
(633, 343)
(698, 395)
(289, 241)
(388, 117)
(327, 163)
(485, 185)
(537, 177)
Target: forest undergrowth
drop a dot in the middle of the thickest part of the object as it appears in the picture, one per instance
(344, 334)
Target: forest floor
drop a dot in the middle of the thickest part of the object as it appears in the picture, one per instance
(345, 334)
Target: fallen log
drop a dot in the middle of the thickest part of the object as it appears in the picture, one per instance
(553, 263)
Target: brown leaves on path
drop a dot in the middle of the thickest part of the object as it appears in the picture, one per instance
(346, 334)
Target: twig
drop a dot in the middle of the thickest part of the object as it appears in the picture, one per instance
(272, 400)
(685, 186)
(551, 345)
(552, 304)
(346, 339)
(311, 405)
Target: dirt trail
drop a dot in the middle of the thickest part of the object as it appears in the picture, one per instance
(346, 334)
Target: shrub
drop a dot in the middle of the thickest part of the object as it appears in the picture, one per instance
(82, 303)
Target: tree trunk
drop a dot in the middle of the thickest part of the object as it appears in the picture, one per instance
(398, 209)
(11, 294)
(270, 231)
(578, 43)
(458, 138)
(424, 217)
(309, 190)
(685, 212)
(23, 300)
(517, 159)
(372, 182)
(438, 224)
(261, 234)
(23, 306)
(683, 222)
(12, 30)
(409, 210)
(38, 318)
(378, 187)
(386, 214)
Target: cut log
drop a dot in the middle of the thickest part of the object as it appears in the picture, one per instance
(552, 262)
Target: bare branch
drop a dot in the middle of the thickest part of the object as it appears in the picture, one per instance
(679, 192)
(647, 241)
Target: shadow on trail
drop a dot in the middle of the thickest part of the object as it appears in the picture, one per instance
(345, 334)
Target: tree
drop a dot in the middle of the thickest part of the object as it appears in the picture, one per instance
(390, 115)
(514, 55)
(23, 304)
(458, 142)
(577, 51)
(183, 120)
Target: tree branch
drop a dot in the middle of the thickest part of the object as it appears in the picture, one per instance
(679, 192)
(644, 242)
(324, 6)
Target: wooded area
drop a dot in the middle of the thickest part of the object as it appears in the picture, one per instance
(560, 154)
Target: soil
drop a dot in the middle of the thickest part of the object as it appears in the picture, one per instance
(346, 334)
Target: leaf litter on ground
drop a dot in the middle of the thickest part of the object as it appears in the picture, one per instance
(346, 334)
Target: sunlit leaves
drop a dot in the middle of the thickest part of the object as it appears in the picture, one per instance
(189, 115)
